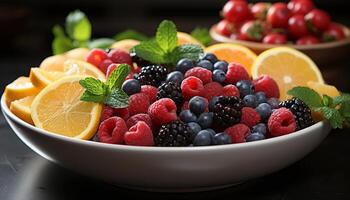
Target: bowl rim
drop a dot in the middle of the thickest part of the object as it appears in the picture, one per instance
(6, 111)
(250, 44)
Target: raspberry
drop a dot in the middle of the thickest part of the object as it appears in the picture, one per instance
(107, 112)
(211, 90)
(96, 56)
(138, 103)
(162, 111)
(235, 73)
(150, 91)
(201, 73)
(111, 68)
(112, 130)
(137, 118)
(122, 112)
(250, 117)
(139, 135)
(281, 122)
(105, 64)
(185, 106)
(230, 90)
(120, 56)
(238, 133)
(191, 86)
(267, 85)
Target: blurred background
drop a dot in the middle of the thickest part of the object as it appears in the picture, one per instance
(25, 33)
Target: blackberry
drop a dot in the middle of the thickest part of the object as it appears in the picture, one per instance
(139, 61)
(152, 75)
(227, 111)
(176, 133)
(173, 91)
(300, 110)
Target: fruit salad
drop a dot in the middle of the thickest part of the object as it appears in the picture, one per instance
(169, 91)
(296, 22)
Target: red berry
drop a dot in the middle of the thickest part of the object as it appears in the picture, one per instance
(120, 56)
(238, 133)
(211, 90)
(122, 112)
(111, 68)
(253, 30)
(162, 111)
(297, 26)
(96, 56)
(250, 117)
(333, 33)
(308, 40)
(105, 64)
(267, 85)
(191, 86)
(236, 11)
(281, 122)
(225, 27)
(300, 7)
(318, 20)
(259, 10)
(230, 90)
(278, 15)
(112, 130)
(203, 74)
(150, 91)
(107, 112)
(185, 106)
(236, 72)
(275, 38)
(139, 117)
(139, 135)
(138, 103)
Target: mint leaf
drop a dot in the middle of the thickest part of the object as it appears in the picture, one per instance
(166, 35)
(117, 99)
(344, 97)
(61, 42)
(130, 34)
(309, 96)
(117, 77)
(78, 26)
(190, 51)
(327, 100)
(333, 116)
(150, 51)
(93, 86)
(345, 109)
(101, 43)
(89, 97)
(202, 35)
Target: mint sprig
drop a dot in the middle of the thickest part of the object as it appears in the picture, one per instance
(335, 110)
(164, 50)
(109, 93)
(202, 35)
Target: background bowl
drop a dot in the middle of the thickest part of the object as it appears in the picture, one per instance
(322, 54)
(169, 168)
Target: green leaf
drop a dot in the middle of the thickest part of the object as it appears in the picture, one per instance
(327, 100)
(166, 35)
(333, 116)
(89, 97)
(344, 97)
(189, 51)
(101, 43)
(117, 99)
(345, 109)
(309, 96)
(78, 26)
(117, 77)
(93, 86)
(150, 51)
(61, 42)
(202, 35)
(130, 34)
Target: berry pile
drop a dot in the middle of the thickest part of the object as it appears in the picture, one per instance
(208, 102)
(298, 22)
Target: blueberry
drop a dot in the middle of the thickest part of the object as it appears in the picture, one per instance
(264, 110)
(212, 132)
(205, 120)
(222, 138)
(203, 138)
(261, 97)
(197, 105)
(255, 137)
(274, 103)
(175, 76)
(205, 64)
(260, 128)
(187, 116)
(131, 86)
(211, 57)
(219, 76)
(222, 65)
(212, 103)
(250, 100)
(245, 87)
(194, 127)
(183, 65)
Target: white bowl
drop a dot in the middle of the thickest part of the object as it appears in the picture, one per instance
(170, 168)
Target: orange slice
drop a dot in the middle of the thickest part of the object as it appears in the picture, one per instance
(78, 53)
(41, 78)
(288, 67)
(21, 108)
(78, 67)
(20, 88)
(322, 89)
(53, 63)
(125, 45)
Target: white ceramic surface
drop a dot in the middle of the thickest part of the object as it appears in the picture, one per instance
(170, 168)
